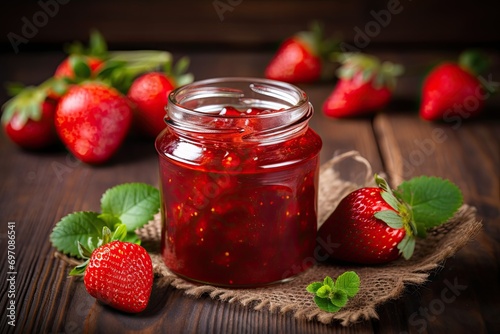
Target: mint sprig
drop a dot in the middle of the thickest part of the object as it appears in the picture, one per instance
(125, 208)
(330, 295)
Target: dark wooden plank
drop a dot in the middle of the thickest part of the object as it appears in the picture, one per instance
(250, 23)
(468, 155)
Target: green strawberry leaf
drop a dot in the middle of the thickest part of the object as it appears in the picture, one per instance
(97, 45)
(79, 270)
(110, 220)
(391, 200)
(432, 200)
(348, 282)
(339, 298)
(120, 233)
(407, 246)
(326, 304)
(76, 227)
(133, 203)
(80, 67)
(391, 218)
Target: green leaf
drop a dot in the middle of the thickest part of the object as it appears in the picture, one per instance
(120, 233)
(407, 246)
(329, 281)
(110, 220)
(433, 200)
(14, 88)
(83, 251)
(324, 291)
(339, 298)
(132, 237)
(348, 282)
(181, 66)
(325, 304)
(391, 218)
(313, 287)
(134, 204)
(97, 45)
(80, 67)
(73, 228)
(79, 270)
(390, 199)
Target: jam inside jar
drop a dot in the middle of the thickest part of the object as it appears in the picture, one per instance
(239, 175)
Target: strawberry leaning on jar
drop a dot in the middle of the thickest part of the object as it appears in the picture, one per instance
(365, 86)
(301, 58)
(374, 225)
(149, 96)
(92, 119)
(28, 118)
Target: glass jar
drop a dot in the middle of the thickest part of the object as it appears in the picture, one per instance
(239, 175)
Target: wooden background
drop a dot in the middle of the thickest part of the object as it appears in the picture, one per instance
(252, 24)
(36, 190)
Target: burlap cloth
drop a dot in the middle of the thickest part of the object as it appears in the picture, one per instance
(378, 283)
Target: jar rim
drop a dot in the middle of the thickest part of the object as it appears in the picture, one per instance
(290, 93)
(195, 108)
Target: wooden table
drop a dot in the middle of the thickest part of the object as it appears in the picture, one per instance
(37, 189)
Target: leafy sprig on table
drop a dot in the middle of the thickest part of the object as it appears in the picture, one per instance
(330, 295)
(128, 204)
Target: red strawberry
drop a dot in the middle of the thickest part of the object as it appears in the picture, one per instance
(363, 238)
(449, 91)
(365, 86)
(66, 68)
(120, 274)
(301, 58)
(28, 118)
(92, 120)
(149, 94)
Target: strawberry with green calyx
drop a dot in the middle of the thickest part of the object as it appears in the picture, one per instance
(365, 86)
(302, 58)
(92, 120)
(452, 90)
(28, 117)
(149, 94)
(93, 56)
(374, 225)
(117, 271)
(116, 68)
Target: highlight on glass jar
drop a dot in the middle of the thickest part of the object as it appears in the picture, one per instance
(239, 175)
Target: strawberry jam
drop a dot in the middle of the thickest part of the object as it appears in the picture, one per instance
(239, 175)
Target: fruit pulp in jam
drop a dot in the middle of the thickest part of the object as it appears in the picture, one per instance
(237, 213)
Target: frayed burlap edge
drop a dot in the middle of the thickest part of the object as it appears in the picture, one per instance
(379, 284)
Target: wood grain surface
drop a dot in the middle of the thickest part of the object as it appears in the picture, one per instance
(37, 189)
